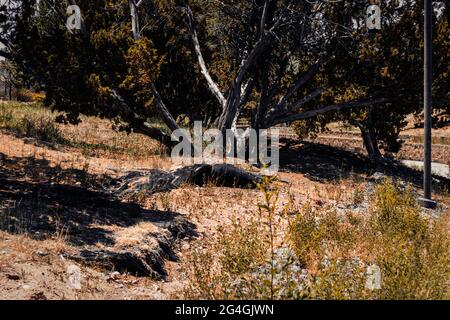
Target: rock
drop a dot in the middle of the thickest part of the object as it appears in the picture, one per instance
(42, 253)
(114, 276)
(289, 274)
(377, 177)
(74, 277)
(137, 262)
(142, 261)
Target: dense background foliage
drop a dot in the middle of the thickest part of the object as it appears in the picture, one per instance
(107, 72)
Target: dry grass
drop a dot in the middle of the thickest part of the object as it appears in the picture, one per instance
(80, 147)
(30, 120)
(334, 230)
(333, 248)
(31, 269)
(94, 137)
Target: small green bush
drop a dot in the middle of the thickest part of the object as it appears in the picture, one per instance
(26, 122)
(242, 248)
(335, 249)
(223, 271)
(410, 249)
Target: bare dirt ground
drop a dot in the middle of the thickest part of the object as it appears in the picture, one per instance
(56, 214)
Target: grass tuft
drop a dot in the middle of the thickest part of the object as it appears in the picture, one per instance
(334, 253)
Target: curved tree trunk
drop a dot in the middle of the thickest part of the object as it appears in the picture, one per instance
(370, 143)
(369, 137)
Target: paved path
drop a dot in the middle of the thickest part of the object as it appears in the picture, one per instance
(439, 169)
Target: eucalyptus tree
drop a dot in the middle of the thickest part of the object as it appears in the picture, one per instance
(319, 56)
(268, 61)
(277, 50)
(112, 67)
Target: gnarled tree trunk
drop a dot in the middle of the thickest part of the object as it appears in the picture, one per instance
(369, 137)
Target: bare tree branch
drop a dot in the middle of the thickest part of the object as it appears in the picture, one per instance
(234, 95)
(198, 52)
(134, 19)
(312, 71)
(165, 114)
(167, 117)
(294, 107)
(160, 106)
(262, 26)
(334, 107)
(276, 113)
(265, 96)
(247, 91)
(155, 133)
(145, 128)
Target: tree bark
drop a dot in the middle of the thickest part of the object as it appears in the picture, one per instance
(282, 118)
(122, 107)
(213, 87)
(134, 19)
(10, 91)
(369, 137)
(160, 106)
(371, 144)
(312, 71)
(224, 175)
(234, 96)
(157, 134)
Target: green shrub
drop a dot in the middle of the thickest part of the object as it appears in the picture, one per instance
(333, 249)
(223, 271)
(242, 248)
(28, 122)
(317, 235)
(410, 249)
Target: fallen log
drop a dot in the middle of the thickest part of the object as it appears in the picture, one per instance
(155, 181)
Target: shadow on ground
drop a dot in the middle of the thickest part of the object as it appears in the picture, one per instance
(325, 163)
(44, 201)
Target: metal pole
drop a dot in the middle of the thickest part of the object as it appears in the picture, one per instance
(428, 27)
